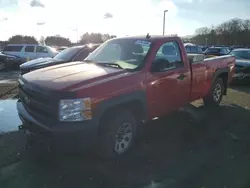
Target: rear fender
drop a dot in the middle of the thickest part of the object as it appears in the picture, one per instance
(218, 73)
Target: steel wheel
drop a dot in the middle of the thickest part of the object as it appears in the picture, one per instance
(124, 137)
(217, 92)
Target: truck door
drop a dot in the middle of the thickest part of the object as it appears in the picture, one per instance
(168, 87)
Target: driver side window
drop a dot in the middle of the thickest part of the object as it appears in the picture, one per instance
(170, 54)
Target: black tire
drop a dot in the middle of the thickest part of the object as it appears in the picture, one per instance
(113, 122)
(2, 66)
(6, 67)
(213, 98)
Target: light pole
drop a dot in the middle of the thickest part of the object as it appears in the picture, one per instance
(164, 15)
(206, 40)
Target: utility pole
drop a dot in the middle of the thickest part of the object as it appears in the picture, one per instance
(206, 40)
(164, 15)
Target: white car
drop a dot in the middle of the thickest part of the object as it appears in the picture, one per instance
(29, 51)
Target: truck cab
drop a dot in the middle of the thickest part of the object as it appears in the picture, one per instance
(102, 101)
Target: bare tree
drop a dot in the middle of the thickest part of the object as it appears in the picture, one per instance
(232, 32)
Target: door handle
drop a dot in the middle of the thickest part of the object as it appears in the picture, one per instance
(181, 77)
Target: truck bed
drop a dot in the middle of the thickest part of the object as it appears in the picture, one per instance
(203, 72)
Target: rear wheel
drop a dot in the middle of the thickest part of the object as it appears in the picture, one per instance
(117, 134)
(215, 94)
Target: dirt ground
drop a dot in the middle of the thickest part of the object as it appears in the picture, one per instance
(174, 152)
(8, 84)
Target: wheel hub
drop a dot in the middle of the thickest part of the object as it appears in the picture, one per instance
(217, 92)
(123, 138)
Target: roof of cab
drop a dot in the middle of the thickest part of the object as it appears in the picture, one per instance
(151, 38)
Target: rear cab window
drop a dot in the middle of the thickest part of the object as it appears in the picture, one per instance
(11, 48)
(29, 49)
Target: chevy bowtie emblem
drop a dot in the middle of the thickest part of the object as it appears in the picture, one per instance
(26, 100)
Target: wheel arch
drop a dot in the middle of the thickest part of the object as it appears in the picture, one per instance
(223, 74)
(134, 102)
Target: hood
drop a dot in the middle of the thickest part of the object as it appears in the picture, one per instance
(8, 55)
(242, 62)
(38, 62)
(60, 77)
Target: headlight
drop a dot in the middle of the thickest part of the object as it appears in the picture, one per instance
(75, 109)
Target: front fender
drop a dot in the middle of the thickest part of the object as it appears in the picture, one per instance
(102, 107)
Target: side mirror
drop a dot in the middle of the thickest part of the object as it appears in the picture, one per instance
(160, 65)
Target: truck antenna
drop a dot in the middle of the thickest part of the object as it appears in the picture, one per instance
(148, 36)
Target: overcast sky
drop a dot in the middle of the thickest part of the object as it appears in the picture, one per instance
(70, 18)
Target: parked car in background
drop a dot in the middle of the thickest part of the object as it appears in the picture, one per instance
(29, 51)
(8, 62)
(193, 48)
(76, 53)
(242, 64)
(104, 101)
(203, 48)
(235, 47)
(216, 51)
(61, 48)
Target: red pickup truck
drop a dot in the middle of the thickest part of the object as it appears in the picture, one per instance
(126, 81)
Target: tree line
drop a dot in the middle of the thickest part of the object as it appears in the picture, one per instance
(58, 40)
(232, 32)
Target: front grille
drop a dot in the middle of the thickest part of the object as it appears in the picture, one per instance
(40, 106)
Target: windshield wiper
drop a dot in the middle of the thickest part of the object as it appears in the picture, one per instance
(111, 65)
(89, 61)
(103, 63)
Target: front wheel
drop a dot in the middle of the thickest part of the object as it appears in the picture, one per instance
(2, 66)
(117, 134)
(215, 94)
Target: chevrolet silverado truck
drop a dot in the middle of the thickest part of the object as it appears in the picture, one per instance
(101, 103)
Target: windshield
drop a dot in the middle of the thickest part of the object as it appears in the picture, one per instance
(241, 54)
(67, 54)
(127, 53)
(213, 50)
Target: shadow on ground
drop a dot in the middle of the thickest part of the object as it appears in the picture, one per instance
(172, 153)
(242, 88)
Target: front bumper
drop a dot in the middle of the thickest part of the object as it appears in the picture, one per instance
(63, 136)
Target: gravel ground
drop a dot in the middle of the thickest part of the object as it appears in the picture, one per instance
(214, 152)
(8, 84)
